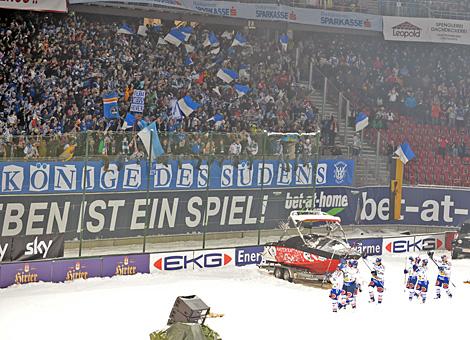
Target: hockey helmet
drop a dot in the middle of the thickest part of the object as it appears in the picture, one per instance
(444, 258)
(424, 262)
(378, 260)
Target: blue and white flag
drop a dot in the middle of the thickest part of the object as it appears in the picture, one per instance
(227, 75)
(175, 110)
(175, 37)
(187, 31)
(284, 40)
(187, 105)
(218, 117)
(125, 29)
(110, 105)
(149, 137)
(242, 89)
(361, 121)
(188, 61)
(142, 124)
(211, 40)
(239, 40)
(405, 153)
(129, 121)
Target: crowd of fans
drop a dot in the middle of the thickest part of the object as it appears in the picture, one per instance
(390, 81)
(56, 68)
(452, 9)
(386, 79)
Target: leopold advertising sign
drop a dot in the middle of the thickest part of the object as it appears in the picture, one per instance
(427, 30)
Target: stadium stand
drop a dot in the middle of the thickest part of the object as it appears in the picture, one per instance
(56, 68)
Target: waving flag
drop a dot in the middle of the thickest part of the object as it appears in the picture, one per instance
(189, 48)
(149, 138)
(405, 153)
(213, 41)
(188, 61)
(216, 90)
(161, 41)
(110, 105)
(187, 105)
(227, 75)
(242, 89)
(129, 121)
(239, 40)
(215, 51)
(175, 37)
(284, 40)
(218, 117)
(227, 35)
(361, 121)
(125, 29)
(187, 31)
(142, 30)
(175, 110)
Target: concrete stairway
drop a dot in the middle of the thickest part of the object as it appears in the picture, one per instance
(365, 172)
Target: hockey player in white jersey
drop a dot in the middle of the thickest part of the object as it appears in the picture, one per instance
(337, 280)
(377, 281)
(411, 270)
(443, 276)
(350, 287)
(423, 282)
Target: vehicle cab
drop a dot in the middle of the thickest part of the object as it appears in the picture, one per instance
(461, 244)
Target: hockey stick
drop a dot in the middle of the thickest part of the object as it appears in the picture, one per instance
(404, 283)
(366, 263)
(438, 267)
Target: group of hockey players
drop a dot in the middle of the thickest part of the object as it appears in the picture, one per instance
(346, 284)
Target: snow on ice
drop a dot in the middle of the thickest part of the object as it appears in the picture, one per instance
(256, 306)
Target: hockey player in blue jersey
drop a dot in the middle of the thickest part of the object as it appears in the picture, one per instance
(443, 276)
(412, 271)
(337, 279)
(377, 281)
(423, 282)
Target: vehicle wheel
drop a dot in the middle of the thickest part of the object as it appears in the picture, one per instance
(278, 273)
(286, 275)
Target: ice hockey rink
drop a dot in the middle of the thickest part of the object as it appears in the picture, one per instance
(256, 306)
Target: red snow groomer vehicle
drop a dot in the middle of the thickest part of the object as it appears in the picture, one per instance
(308, 256)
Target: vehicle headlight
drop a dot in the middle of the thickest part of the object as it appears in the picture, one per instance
(459, 241)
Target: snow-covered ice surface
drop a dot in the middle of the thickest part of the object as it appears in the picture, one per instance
(255, 304)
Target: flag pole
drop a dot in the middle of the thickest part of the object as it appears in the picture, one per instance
(82, 209)
(147, 198)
